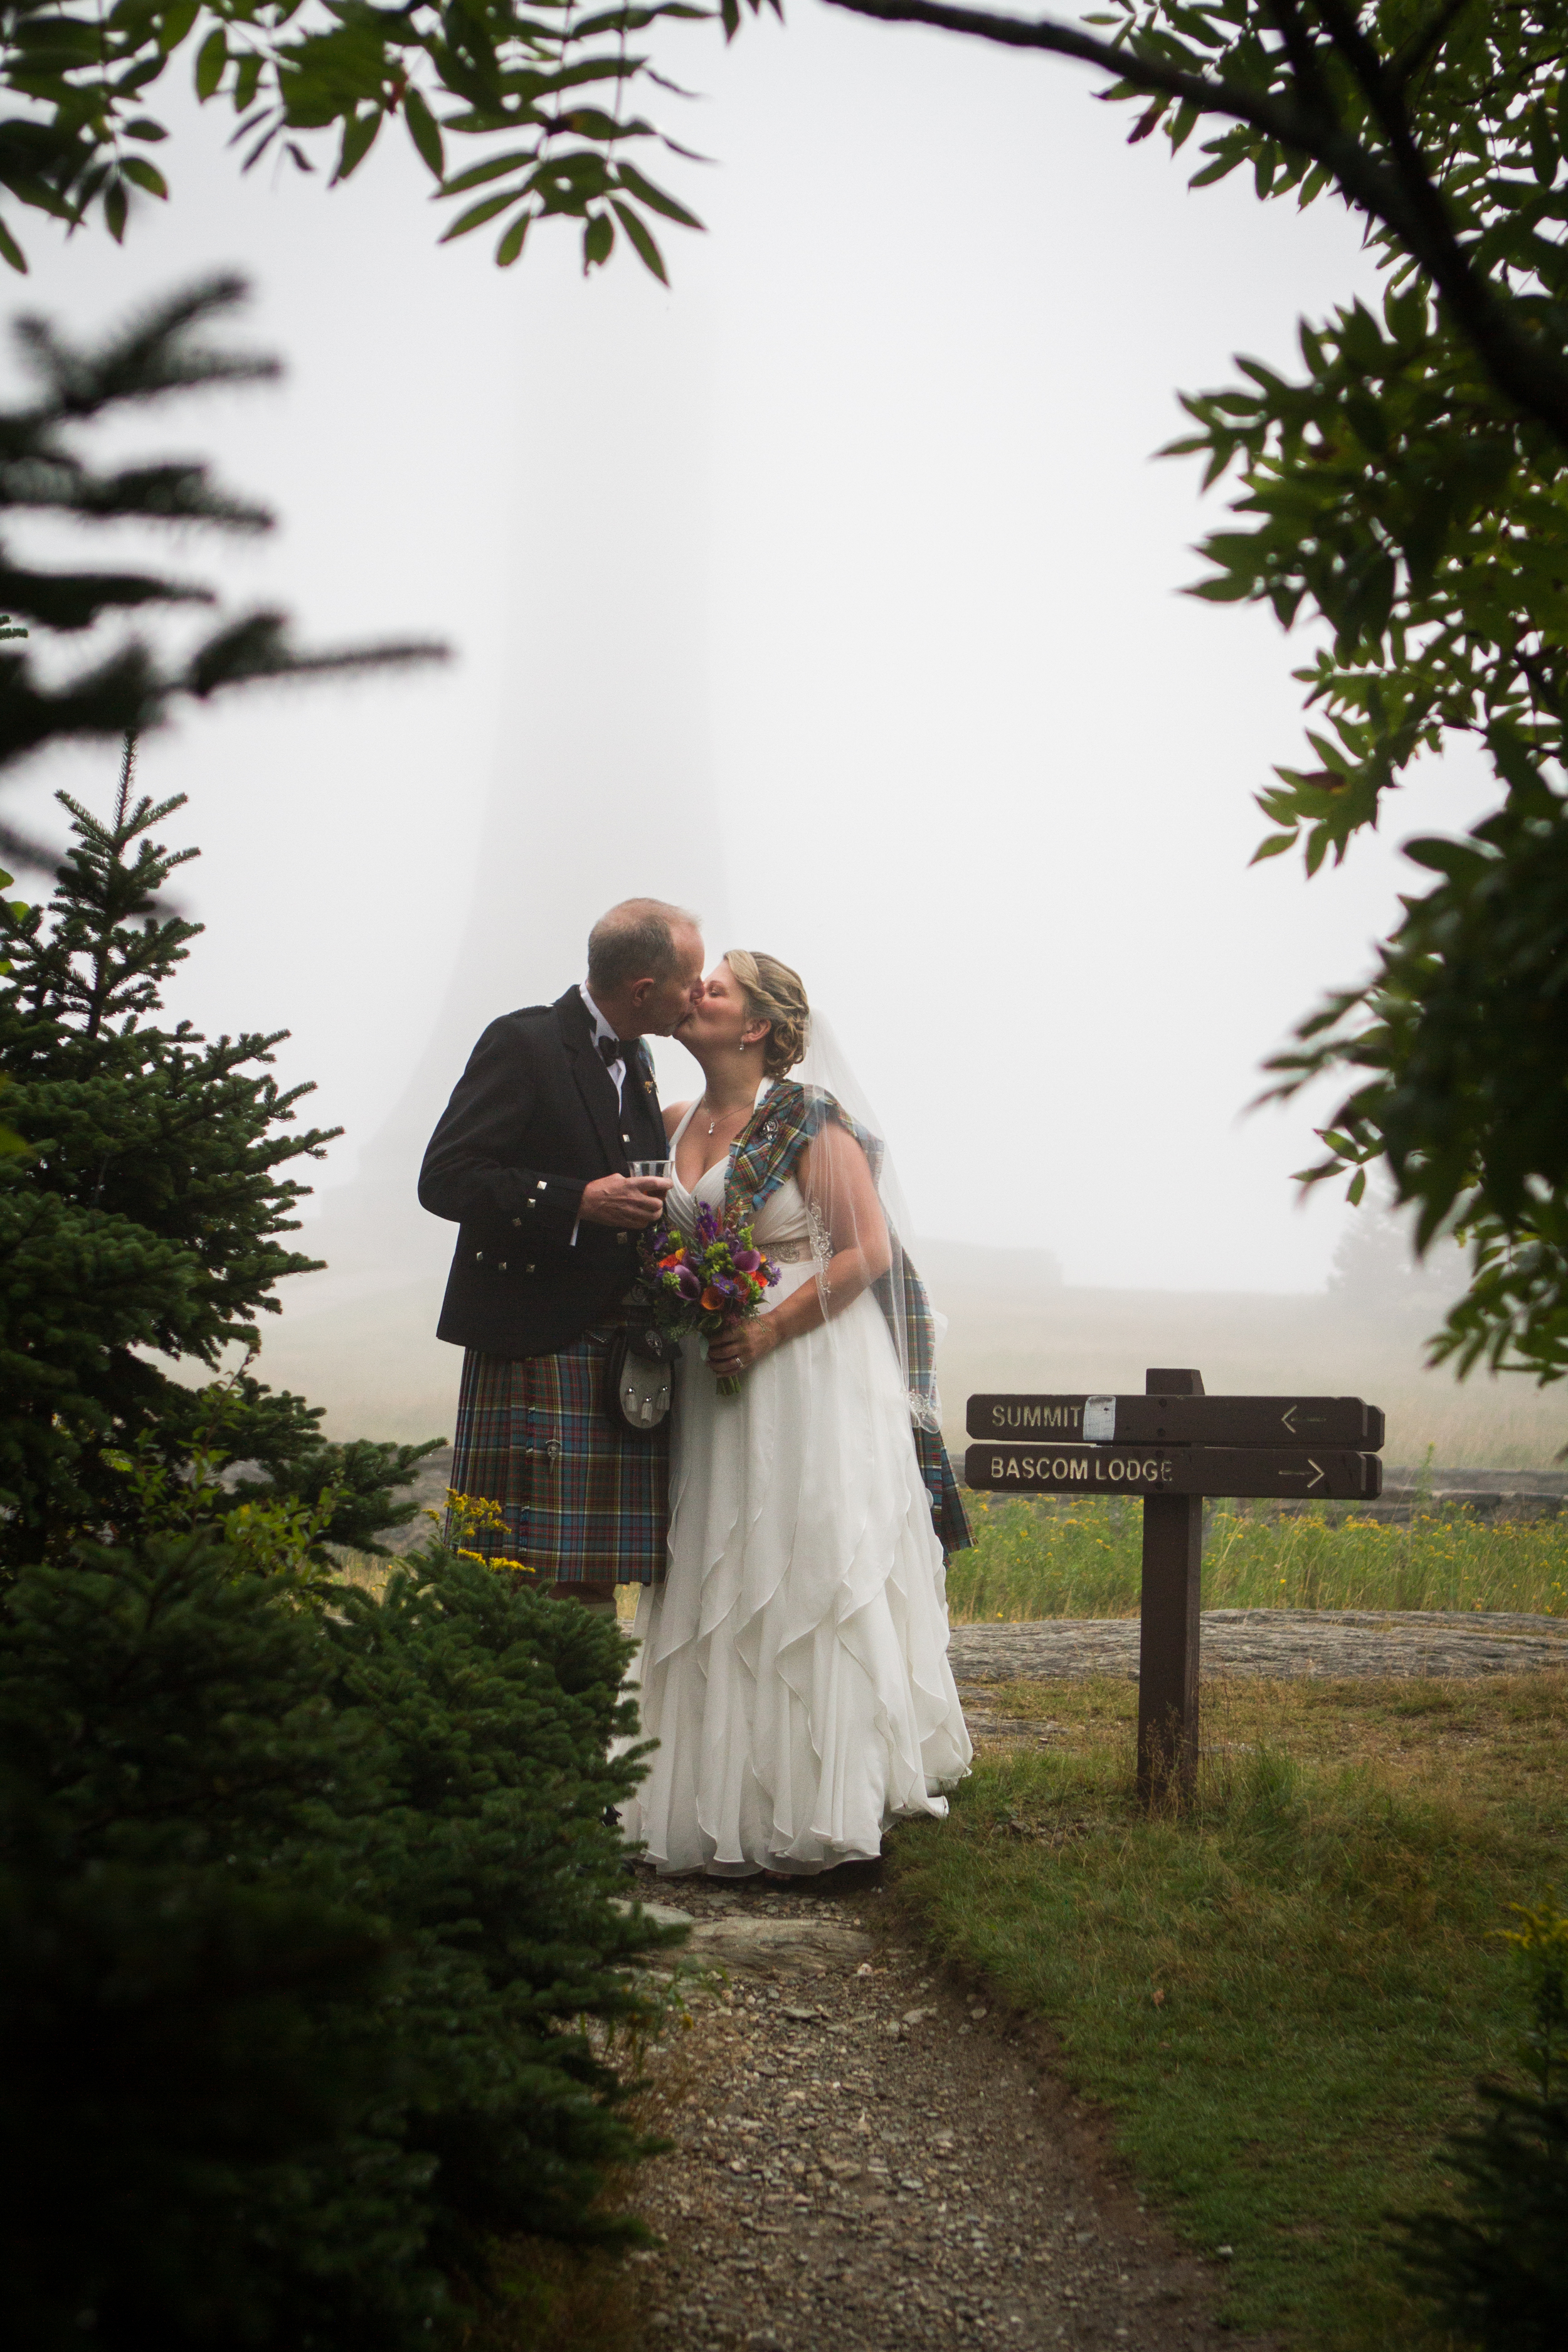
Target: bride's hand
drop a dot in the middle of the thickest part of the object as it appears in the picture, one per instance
(736, 1350)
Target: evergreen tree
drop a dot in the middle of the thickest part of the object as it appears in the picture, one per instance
(148, 1212)
(131, 687)
(302, 1914)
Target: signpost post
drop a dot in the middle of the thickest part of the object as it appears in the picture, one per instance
(1172, 1446)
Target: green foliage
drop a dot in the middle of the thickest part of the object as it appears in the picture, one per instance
(1408, 490)
(147, 1214)
(130, 686)
(1498, 2269)
(305, 1917)
(542, 91)
(1476, 1135)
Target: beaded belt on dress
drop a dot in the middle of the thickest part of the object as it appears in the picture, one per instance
(787, 1253)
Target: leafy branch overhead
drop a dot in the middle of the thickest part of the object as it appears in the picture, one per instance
(538, 96)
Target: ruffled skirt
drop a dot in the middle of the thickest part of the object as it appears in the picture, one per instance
(792, 1666)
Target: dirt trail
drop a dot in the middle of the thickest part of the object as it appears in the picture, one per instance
(867, 2158)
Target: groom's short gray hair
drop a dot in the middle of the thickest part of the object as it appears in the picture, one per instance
(636, 940)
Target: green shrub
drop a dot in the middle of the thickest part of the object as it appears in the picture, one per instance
(305, 1917)
(1496, 2268)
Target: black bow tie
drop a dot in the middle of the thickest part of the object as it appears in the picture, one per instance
(618, 1049)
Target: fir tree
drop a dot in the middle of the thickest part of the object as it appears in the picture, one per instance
(131, 687)
(147, 1216)
(301, 1917)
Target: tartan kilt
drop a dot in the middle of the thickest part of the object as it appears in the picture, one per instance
(587, 1502)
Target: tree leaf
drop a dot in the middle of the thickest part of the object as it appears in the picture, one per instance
(176, 21)
(632, 180)
(359, 137)
(425, 131)
(211, 59)
(511, 244)
(477, 214)
(477, 174)
(642, 240)
(145, 175)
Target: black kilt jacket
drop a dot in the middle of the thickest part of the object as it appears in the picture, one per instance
(532, 1121)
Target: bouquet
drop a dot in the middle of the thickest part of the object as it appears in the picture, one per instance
(709, 1283)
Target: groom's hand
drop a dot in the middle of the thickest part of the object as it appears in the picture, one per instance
(626, 1202)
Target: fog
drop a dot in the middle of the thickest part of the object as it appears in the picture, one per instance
(835, 594)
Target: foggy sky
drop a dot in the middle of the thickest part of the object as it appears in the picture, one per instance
(833, 593)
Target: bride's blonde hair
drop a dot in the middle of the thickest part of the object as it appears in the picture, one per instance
(773, 993)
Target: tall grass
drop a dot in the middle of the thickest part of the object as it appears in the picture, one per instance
(1082, 1559)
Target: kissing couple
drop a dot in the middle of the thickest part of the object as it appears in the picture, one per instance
(788, 1523)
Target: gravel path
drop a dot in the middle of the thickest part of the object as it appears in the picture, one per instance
(868, 2159)
(1277, 1643)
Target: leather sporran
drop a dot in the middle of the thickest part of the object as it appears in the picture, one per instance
(640, 1378)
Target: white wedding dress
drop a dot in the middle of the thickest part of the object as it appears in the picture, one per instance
(792, 1666)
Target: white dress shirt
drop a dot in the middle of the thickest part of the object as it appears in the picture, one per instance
(601, 1028)
(617, 1069)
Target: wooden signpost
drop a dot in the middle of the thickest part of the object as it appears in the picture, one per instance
(1171, 1447)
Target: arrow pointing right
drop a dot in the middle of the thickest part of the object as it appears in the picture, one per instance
(1319, 1479)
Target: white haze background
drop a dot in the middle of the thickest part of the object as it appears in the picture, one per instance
(835, 594)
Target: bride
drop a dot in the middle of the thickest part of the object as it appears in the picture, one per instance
(792, 1666)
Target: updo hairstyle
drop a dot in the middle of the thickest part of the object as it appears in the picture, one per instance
(773, 993)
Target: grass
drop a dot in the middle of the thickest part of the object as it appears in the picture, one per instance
(1048, 1559)
(1283, 1999)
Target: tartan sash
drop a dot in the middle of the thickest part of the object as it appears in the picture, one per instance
(784, 1122)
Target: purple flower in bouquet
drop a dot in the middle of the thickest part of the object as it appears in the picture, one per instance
(708, 1281)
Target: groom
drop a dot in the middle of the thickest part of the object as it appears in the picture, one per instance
(531, 1160)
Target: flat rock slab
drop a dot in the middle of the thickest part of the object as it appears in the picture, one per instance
(740, 1939)
(728, 1935)
(1280, 1643)
(663, 1914)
